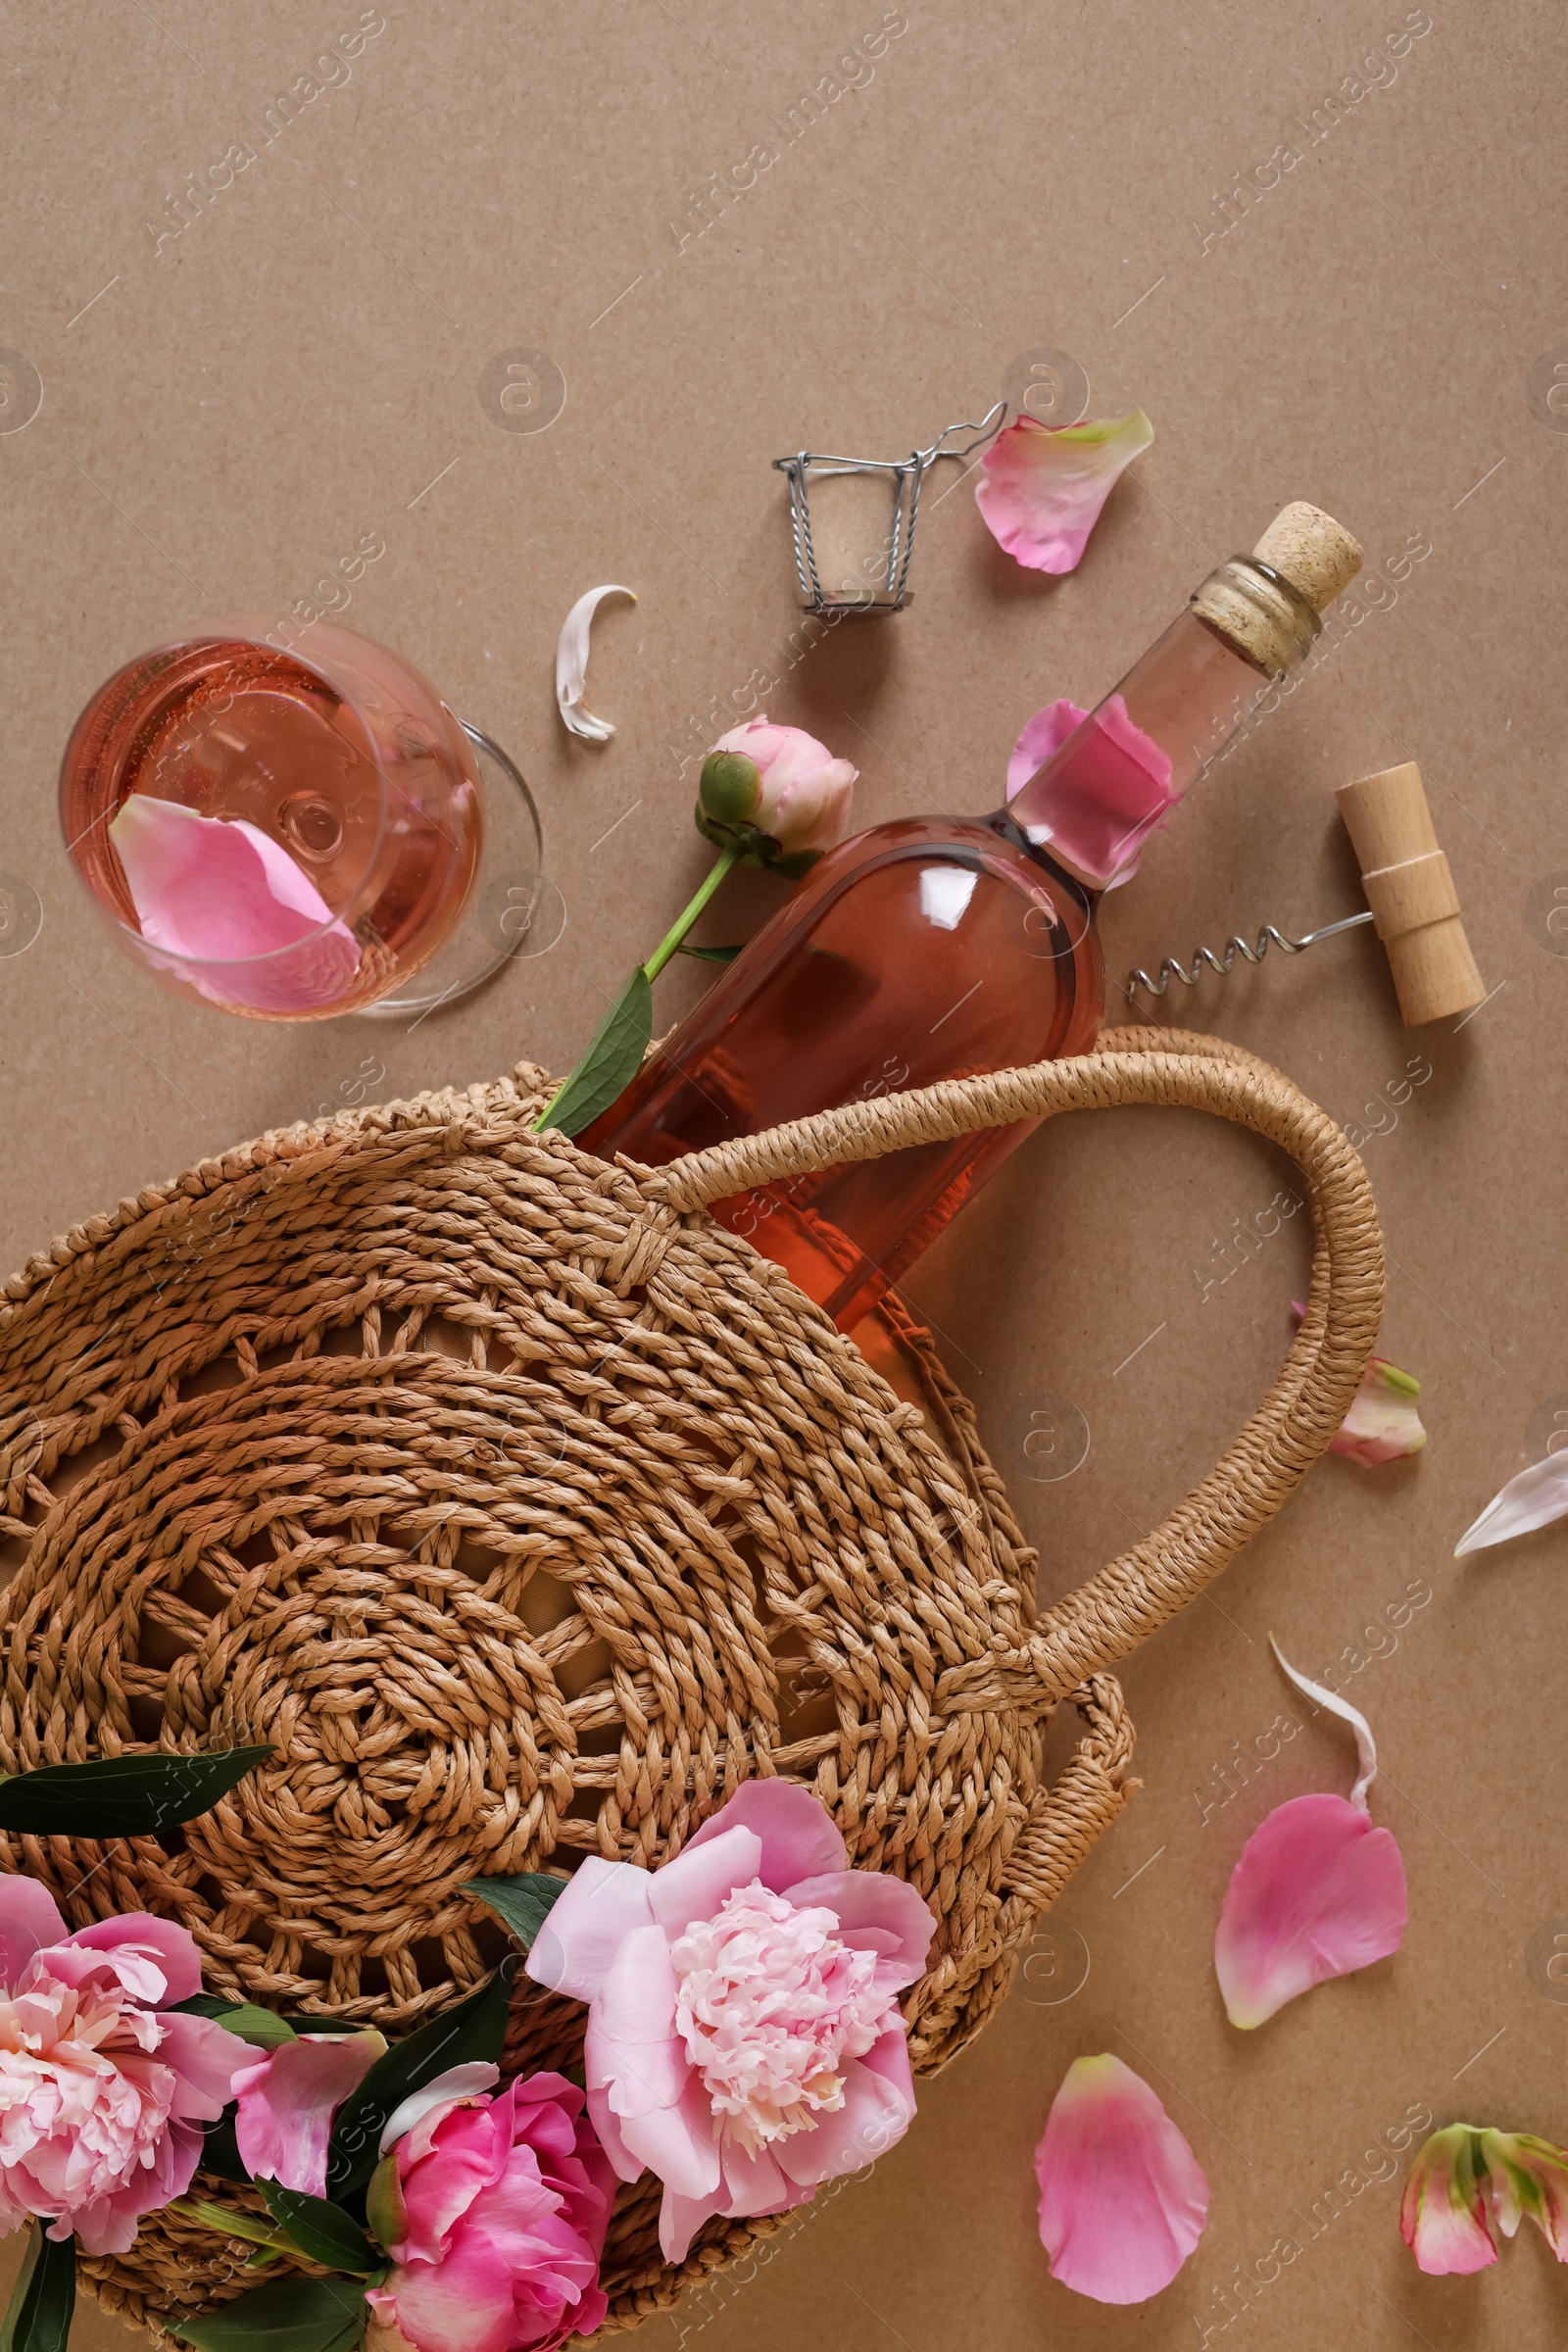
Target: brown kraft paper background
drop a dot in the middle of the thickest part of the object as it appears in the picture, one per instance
(1321, 247)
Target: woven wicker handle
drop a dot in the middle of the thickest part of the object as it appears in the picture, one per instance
(1127, 1600)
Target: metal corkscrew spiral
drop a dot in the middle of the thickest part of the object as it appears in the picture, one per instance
(1224, 963)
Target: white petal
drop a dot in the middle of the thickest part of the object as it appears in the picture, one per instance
(1533, 1498)
(571, 664)
(1366, 1753)
(468, 2081)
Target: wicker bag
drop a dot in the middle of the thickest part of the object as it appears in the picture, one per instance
(526, 1511)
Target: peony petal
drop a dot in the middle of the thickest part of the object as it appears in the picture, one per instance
(1528, 2175)
(30, 1919)
(1111, 785)
(584, 1929)
(459, 2083)
(225, 893)
(1317, 1893)
(204, 2058)
(695, 1885)
(571, 664)
(1365, 1746)
(1383, 1423)
(1122, 2198)
(800, 1838)
(462, 2303)
(287, 2101)
(876, 1913)
(680, 2217)
(1044, 485)
(173, 1947)
(1443, 2217)
(878, 2109)
(1533, 1500)
(1045, 733)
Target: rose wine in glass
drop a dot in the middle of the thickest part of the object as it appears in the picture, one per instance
(345, 759)
(940, 947)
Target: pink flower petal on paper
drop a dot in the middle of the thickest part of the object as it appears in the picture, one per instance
(1317, 1893)
(1527, 2178)
(287, 2101)
(1046, 732)
(225, 893)
(1443, 2213)
(1383, 1423)
(1534, 1498)
(1044, 485)
(1122, 2198)
(800, 1838)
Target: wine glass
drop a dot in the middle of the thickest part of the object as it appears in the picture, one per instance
(290, 833)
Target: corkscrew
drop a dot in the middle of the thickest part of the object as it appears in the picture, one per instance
(1410, 899)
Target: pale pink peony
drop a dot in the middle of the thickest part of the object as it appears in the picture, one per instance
(744, 2036)
(103, 2092)
(777, 782)
(494, 2212)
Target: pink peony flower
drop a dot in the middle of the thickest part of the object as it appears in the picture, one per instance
(494, 2212)
(1123, 2200)
(103, 2092)
(778, 786)
(287, 2100)
(1041, 486)
(744, 2034)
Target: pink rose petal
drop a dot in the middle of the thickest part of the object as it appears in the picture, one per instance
(1317, 1893)
(1043, 486)
(223, 893)
(1122, 2198)
(1443, 2213)
(1045, 733)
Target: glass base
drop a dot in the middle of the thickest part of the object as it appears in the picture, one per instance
(513, 910)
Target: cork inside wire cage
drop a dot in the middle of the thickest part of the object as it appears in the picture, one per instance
(524, 1526)
(851, 521)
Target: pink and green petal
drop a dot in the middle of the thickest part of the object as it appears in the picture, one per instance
(1318, 1892)
(1043, 486)
(1123, 2200)
(1443, 2214)
(1528, 2179)
(1384, 1423)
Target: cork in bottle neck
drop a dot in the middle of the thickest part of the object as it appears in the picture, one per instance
(1268, 605)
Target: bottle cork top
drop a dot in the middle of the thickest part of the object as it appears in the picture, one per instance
(1313, 552)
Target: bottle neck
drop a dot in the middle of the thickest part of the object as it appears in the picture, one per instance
(1120, 774)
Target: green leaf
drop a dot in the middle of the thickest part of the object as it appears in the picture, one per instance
(320, 2229)
(613, 1056)
(38, 2315)
(710, 955)
(122, 1796)
(522, 1904)
(220, 2150)
(227, 2222)
(263, 2027)
(476, 2028)
(287, 2315)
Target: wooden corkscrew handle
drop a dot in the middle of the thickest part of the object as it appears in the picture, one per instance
(1411, 892)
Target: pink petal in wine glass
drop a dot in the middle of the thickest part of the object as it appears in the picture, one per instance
(1123, 2200)
(219, 891)
(1043, 486)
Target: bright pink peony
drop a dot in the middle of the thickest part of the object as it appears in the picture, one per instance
(744, 2037)
(494, 2212)
(103, 2092)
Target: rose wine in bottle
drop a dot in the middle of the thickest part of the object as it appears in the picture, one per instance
(939, 947)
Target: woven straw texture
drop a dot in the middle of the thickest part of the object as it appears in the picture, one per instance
(526, 1512)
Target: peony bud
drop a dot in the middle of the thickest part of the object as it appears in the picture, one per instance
(774, 794)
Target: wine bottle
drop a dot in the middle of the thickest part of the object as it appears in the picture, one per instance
(936, 947)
